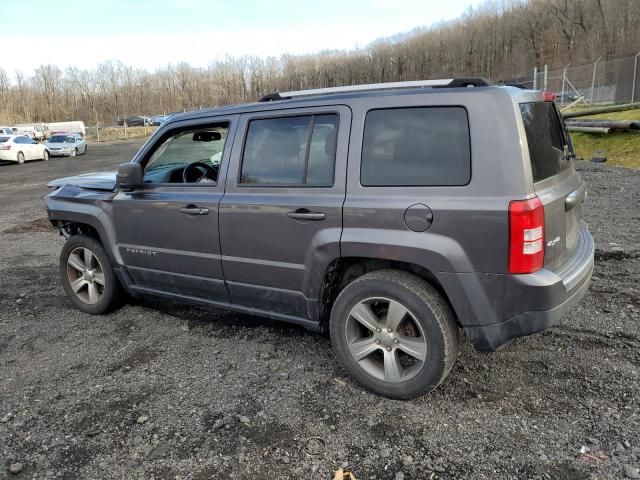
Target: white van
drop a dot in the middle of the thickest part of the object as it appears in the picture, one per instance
(66, 127)
(33, 130)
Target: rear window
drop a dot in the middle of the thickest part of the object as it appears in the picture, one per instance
(425, 146)
(545, 139)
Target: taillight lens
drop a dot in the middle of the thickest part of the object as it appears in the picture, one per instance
(5, 147)
(526, 235)
(549, 96)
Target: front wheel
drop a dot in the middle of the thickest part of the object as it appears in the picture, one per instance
(74, 152)
(20, 158)
(394, 334)
(87, 276)
(45, 155)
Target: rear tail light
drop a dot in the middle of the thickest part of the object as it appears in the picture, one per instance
(548, 96)
(526, 235)
(5, 147)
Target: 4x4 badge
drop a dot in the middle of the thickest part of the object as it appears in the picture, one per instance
(551, 243)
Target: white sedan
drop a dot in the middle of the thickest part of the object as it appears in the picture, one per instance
(19, 148)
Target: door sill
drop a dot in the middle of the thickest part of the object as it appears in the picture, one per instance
(304, 322)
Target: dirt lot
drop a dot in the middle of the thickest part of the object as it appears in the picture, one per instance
(169, 391)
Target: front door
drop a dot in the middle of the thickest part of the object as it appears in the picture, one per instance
(167, 231)
(281, 216)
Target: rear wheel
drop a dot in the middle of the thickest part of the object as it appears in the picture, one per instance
(20, 158)
(87, 276)
(45, 155)
(394, 334)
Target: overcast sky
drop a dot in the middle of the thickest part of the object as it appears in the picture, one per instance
(152, 33)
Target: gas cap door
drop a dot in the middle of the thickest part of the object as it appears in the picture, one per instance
(418, 217)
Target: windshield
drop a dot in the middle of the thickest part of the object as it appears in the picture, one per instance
(61, 139)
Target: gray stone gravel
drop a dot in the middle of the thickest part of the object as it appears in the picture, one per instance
(72, 387)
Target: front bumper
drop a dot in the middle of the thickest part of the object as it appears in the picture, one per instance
(494, 309)
(60, 153)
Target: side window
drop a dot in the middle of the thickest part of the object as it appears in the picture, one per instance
(188, 156)
(297, 151)
(424, 146)
(20, 140)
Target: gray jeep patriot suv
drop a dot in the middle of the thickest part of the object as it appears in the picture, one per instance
(397, 217)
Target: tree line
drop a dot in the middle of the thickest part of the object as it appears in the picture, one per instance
(499, 40)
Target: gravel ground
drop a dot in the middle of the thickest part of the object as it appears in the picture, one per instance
(172, 391)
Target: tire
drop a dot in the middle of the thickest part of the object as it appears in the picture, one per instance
(90, 297)
(20, 158)
(427, 327)
(45, 155)
(85, 149)
(74, 153)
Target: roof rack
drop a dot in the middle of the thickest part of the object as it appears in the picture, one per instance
(441, 83)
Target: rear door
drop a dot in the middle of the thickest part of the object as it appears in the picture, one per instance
(281, 215)
(555, 180)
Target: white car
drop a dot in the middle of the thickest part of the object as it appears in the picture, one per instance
(67, 144)
(19, 148)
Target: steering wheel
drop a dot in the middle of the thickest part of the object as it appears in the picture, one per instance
(200, 172)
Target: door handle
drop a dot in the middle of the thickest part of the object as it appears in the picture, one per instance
(193, 210)
(304, 214)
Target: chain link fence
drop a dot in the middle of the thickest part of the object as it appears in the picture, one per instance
(107, 133)
(611, 82)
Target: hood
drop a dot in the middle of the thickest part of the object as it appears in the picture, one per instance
(94, 181)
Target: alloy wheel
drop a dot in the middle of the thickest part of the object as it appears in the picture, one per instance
(85, 275)
(386, 340)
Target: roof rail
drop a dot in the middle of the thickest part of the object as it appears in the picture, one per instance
(441, 83)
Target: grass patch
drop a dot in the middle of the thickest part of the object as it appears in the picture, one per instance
(621, 148)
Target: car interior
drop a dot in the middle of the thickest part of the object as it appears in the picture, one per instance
(191, 156)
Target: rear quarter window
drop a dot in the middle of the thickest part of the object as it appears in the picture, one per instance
(545, 140)
(423, 146)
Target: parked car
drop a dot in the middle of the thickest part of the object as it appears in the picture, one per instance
(397, 217)
(135, 121)
(157, 120)
(66, 144)
(6, 131)
(20, 148)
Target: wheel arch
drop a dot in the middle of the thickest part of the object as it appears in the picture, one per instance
(342, 271)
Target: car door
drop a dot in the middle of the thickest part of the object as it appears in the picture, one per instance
(167, 230)
(25, 147)
(281, 216)
(37, 150)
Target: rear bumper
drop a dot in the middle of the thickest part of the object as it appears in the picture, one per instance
(494, 309)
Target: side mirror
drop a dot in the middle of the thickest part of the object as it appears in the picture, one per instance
(129, 176)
